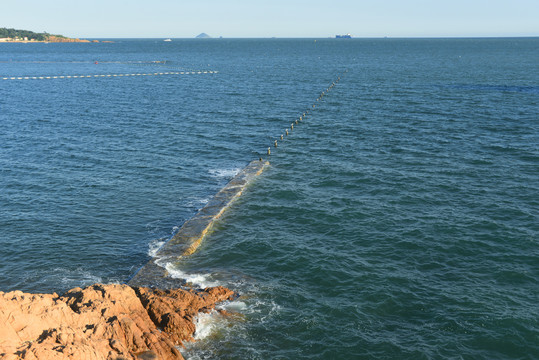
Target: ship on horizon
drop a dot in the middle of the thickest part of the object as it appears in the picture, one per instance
(347, 36)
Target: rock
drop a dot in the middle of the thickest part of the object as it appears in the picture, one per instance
(62, 39)
(102, 322)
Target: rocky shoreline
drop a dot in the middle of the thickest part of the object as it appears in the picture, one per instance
(102, 322)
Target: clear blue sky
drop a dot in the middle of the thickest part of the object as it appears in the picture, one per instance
(279, 18)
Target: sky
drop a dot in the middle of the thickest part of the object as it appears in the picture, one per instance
(276, 18)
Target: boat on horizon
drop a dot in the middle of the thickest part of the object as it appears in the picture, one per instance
(167, 40)
(347, 36)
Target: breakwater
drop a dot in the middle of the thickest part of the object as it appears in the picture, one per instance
(189, 237)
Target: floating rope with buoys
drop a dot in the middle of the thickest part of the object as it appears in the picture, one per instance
(189, 237)
(131, 62)
(302, 116)
(107, 75)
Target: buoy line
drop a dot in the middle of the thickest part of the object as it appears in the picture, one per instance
(131, 62)
(288, 131)
(108, 75)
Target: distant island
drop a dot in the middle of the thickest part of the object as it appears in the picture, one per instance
(203, 36)
(27, 36)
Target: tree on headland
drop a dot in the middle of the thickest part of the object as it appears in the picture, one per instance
(22, 34)
(13, 34)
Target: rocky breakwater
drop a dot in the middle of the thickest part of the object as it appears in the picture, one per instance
(102, 322)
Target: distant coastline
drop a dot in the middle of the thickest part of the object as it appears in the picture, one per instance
(63, 40)
(27, 36)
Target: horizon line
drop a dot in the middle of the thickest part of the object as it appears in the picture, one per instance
(321, 37)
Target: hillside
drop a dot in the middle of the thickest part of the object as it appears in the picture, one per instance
(13, 35)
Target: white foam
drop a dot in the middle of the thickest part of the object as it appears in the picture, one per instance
(205, 324)
(275, 308)
(200, 280)
(224, 173)
(198, 203)
(233, 306)
(214, 328)
(155, 245)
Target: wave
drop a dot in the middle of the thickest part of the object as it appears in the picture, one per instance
(226, 173)
(196, 279)
(155, 245)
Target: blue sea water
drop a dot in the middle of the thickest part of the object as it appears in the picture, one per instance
(398, 221)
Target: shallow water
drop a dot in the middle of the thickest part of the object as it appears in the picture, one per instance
(399, 220)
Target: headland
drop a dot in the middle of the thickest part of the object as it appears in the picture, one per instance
(27, 36)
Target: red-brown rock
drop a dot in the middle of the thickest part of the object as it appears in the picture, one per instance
(102, 322)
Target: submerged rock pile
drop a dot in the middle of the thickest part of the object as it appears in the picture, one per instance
(102, 322)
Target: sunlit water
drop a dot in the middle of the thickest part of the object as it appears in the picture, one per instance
(398, 221)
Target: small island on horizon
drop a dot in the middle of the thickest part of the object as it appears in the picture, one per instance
(203, 36)
(27, 36)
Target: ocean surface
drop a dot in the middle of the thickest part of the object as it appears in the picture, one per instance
(399, 220)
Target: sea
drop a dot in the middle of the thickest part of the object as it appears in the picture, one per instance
(398, 220)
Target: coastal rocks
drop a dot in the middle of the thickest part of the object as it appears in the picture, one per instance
(102, 322)
(62, 39)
